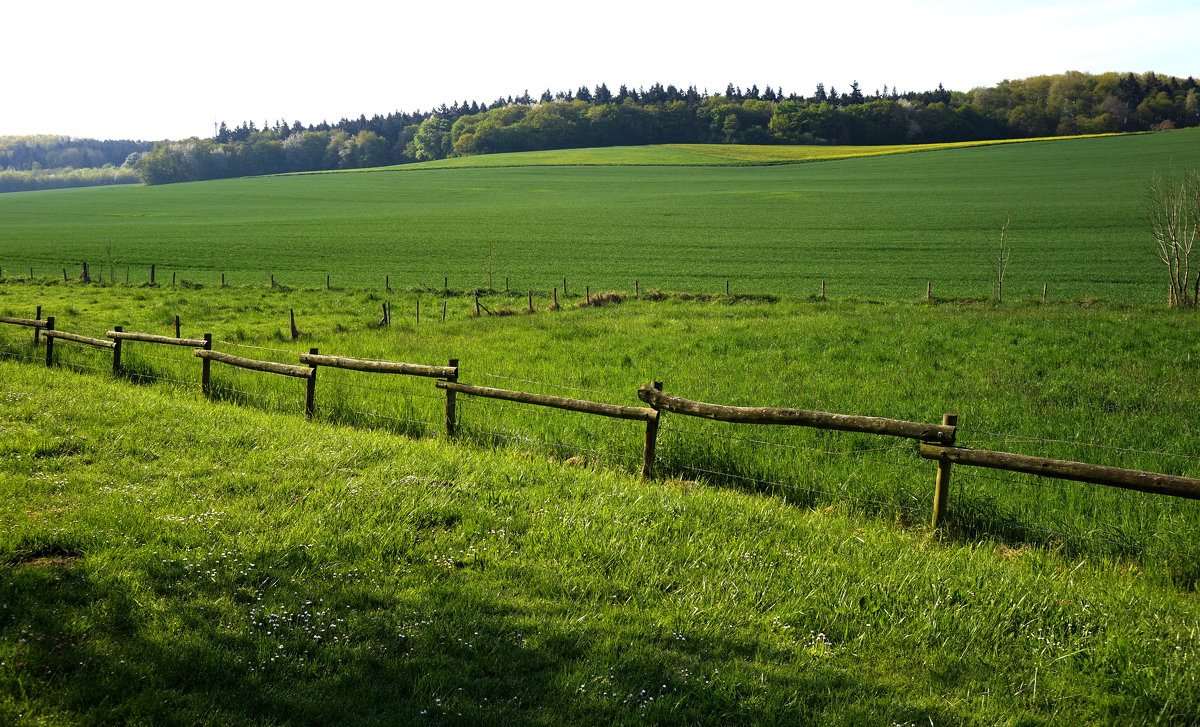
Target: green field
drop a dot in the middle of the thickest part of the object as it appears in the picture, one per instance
(872, 227)
(172, 560)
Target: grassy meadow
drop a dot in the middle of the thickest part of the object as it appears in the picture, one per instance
(173, 560)
(170, 560)
(876, 227)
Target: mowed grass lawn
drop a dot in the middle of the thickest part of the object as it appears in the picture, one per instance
(870, 227)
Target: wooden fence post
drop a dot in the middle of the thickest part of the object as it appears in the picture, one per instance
(822, 290)
(117, 352)
(49, 342)
(206, 369)
(443, 311)
(326, 282)
(636, 292)
(929, 290)
(564, 288)
(942, 493)
(531, 301)
(222, 280)
(310, 397)
(1045, 292)
(451, 402)
(477, 313)
(177, 326)
(587, 293)
(152, 273)
(172, 278)
(387, 283)
(651, 444)
(37, 332)
(292, 316)
(64, 275)
(726, 287)
(555, 307)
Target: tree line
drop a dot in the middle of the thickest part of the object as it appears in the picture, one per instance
(52, 162)
(1053, 105)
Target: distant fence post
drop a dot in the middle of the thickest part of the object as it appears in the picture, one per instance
(37, 331)
(651, 444)
(176, 322)
(942, 492)
(49, 342)
(206, 369)
(152, 273)
(310, 396)
(451, 402)
(117, 352)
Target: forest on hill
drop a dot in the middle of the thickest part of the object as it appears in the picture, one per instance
(1052, 105)
(46, 161)
(1055, 105)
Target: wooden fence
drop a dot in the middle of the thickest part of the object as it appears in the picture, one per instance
(937, 441)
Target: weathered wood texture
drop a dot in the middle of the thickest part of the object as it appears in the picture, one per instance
(270, 367)
(1151, 482)
(379, 367)
(941, 493)
(99, 342)
(796, 417)
(23, 322)
(587, 407)
(151, 338)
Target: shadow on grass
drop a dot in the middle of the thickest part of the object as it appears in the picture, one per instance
(444, 646)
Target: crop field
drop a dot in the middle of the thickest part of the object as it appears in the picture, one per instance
(871, 227)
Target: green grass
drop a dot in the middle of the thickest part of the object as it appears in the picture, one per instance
(875, 227)
(173, 561)
(1105, 384)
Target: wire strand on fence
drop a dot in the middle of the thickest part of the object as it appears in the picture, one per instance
(342, 383)
(1018, 438)
(843, 494)
(556, 386)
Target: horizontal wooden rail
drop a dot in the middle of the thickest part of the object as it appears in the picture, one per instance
(299, 372)
(1152, 482)
(100, 342)
(380, 367)
(796, 417)
(586, 407)
(23, 321)
(151, 338)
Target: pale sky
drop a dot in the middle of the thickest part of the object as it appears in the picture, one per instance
(166, 69)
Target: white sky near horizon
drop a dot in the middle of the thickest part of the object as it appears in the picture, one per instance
(138, 69)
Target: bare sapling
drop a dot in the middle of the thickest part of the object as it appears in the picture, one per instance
(1173, 209)
(1001, 251)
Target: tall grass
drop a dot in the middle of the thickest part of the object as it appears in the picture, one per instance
(173, 560)
(1105, 384)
